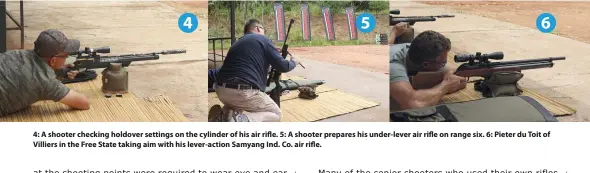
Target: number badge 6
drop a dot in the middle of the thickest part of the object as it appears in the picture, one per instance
(546, 22)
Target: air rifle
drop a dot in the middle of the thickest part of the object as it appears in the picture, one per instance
(90, 58)
(274, 75)
(411, 20)
(479, 65)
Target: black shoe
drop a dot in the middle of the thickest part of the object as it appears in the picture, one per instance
(216, 114)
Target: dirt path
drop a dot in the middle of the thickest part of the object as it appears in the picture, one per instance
(368, 57)
(571, 16)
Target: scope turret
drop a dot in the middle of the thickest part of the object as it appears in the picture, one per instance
(396, 12)
(479, 57)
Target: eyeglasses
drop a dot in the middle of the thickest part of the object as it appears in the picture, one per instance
(438, 63)
(261, 27)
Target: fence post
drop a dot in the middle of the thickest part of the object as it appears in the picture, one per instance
(3, 29)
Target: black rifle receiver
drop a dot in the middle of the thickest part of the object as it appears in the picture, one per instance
(275, 76)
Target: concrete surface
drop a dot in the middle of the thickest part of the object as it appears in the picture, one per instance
(369, 85)
(567, 81)
(133, 27)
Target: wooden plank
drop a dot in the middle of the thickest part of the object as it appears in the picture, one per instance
(154, 109)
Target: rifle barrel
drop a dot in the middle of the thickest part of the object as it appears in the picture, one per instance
(115, 59)
(165, 52)
(412, 19)
(528, 66)
(550, 59)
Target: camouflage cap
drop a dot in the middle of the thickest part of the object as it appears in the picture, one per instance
(51, 42)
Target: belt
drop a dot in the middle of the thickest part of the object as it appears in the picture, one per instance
(237, 86)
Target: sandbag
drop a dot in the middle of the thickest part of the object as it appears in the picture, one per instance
(497, 109)
(504, 83)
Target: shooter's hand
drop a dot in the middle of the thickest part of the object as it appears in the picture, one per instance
(294, 59)
(72, 74)
(400, 28)
(454, 82)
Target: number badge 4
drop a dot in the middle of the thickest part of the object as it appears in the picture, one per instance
(188, 22)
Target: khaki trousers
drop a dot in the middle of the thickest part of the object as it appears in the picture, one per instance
(260, 107)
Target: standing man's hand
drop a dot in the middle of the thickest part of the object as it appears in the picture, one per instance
(397, 30)
(295, 59)
(400, 28)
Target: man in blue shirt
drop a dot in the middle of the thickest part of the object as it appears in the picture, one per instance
(242, 78)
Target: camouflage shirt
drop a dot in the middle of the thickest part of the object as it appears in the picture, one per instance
(26, 78)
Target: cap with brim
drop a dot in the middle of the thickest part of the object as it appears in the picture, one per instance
(52, 42)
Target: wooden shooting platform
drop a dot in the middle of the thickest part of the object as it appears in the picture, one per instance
(115, 109)
(330, 102)
(469, 94)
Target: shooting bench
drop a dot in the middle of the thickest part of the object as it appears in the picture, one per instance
(20, 26)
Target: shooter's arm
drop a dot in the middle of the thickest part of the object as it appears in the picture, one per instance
(276, 60)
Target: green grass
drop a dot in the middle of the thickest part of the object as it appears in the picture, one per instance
(263, 11)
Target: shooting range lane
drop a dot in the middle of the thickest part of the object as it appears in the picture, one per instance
(134, 27)
(330, 103)
(127, 27)
(565, 83)
(367, 57)
(359, 82)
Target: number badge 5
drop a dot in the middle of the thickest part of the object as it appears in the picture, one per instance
(365, 22)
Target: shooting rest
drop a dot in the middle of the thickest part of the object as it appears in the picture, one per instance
(115, 79)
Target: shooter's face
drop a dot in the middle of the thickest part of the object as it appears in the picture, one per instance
(260, 29)
(437, 64)
(58, 61)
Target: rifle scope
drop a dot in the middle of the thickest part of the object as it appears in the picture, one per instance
(396, 12)
(479, 57)
(88, 50)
